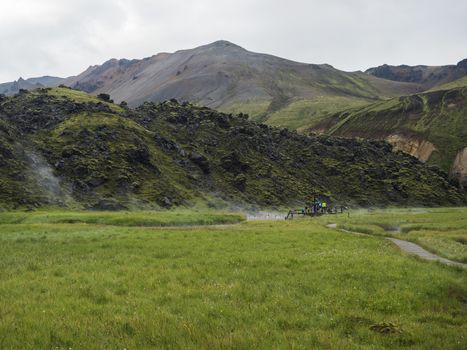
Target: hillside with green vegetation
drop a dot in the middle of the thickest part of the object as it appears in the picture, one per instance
(430, 125)
(64, 147)
(297, 114)
(258, 285)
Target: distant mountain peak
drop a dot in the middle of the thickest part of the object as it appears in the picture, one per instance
(462, 64)
(221, 44)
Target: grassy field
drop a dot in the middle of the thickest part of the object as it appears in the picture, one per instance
(89, 281)
(442, 231)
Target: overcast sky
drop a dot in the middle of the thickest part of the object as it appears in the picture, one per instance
(64, 37)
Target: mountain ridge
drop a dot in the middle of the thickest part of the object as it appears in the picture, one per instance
(427, 76)
(270, 89)
(11, 88)
(224, 75)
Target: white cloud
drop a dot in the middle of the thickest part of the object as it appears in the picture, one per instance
(62, 38)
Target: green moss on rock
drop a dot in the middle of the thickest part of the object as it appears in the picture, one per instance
(171, 154)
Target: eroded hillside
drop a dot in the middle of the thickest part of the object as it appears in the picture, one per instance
(431, 126)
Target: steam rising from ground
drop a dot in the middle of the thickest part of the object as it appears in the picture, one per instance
(264, 215)
(48, 184)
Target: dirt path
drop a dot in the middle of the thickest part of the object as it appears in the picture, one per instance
(410, 248)
(413, 248)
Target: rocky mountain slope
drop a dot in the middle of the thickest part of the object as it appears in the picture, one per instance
(64, 147)
(431, 126)
(13, 87)
(227, 77)
(426, 76)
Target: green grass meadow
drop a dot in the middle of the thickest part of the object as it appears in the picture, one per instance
(89, 280)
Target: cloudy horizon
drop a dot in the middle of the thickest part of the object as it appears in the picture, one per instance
(54, 37)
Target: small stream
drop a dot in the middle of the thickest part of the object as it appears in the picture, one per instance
(392, 229)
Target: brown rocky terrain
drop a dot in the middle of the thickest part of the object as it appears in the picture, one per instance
(426, 76)
(222, 74)
(459, 167)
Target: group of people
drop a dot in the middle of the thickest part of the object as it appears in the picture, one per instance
(316, 207)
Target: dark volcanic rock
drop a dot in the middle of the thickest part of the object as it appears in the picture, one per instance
(169, 154)
(201, 161)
